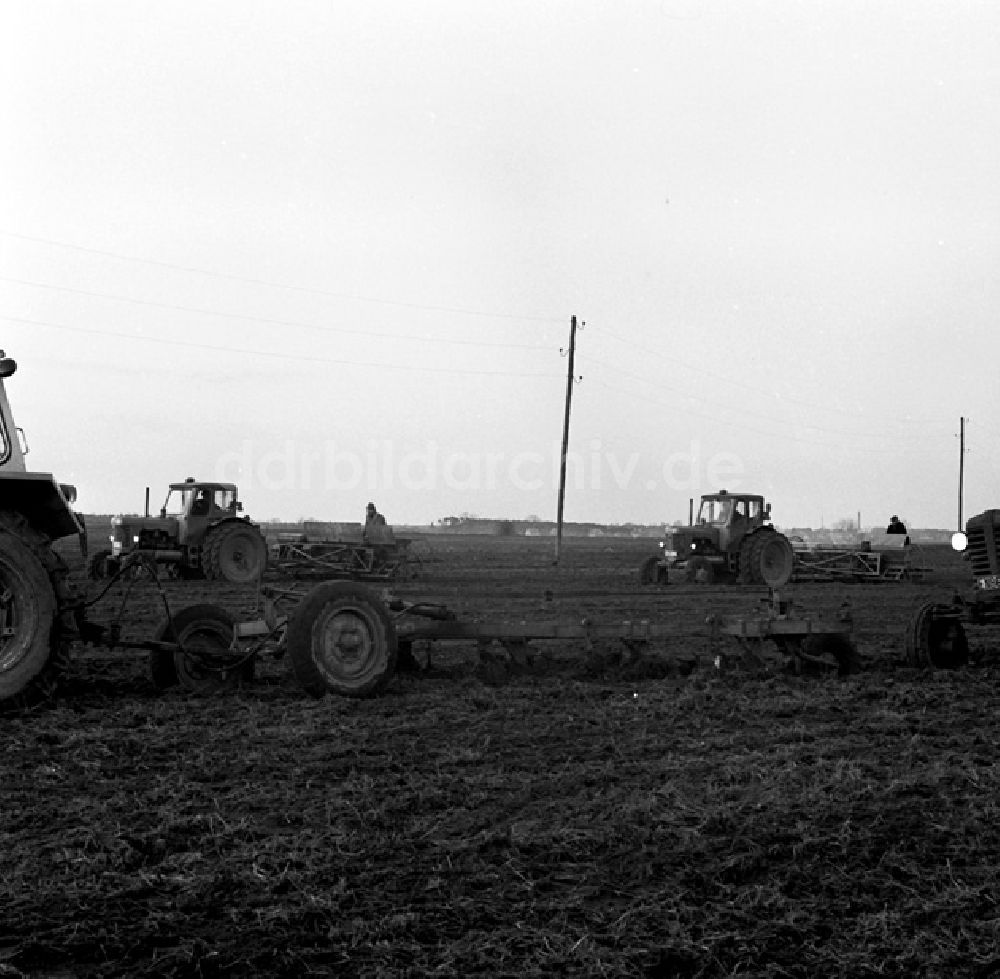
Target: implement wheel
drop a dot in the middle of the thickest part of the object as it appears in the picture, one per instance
(936, 638)
(31, 579)
(234, 551)
(342, 639)
(207, 663)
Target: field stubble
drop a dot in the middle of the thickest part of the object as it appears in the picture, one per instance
(592, 817)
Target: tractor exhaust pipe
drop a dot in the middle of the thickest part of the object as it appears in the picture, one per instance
(147, 501)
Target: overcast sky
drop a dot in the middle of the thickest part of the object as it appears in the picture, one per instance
(330, 251)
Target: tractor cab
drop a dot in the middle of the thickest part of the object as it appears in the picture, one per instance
(46, 504)
(197, 506)
(723, 520)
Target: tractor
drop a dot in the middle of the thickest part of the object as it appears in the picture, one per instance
(198, 534)
(936, 635)
(38, 609)
(732, 539)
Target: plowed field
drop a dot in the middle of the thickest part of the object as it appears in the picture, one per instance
(590, 814)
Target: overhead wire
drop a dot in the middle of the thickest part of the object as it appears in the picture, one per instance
(769, 433)
(268, 321)
(758, 414)
(670, 358)
(313, 290)
(306, 358)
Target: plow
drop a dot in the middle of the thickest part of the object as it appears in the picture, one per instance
(346, 638)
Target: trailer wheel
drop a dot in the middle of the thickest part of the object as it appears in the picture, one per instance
(936, 638)
(342, 639)
(700, 571)
(234, 551)
(208, 663)
(774, 560)
(30, 645)
(829, 653)
(652, 572)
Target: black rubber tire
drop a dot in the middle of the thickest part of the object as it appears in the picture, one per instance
(207, 665)
(745, 569)
(341, 639)
(774, 560)
(699, 571)
(652, 572)
(235, 552)
(35, 592)
(936, 638)
(826, 653)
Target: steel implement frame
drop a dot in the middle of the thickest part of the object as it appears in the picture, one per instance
(839, 564)
(343, 559)
(455, 630)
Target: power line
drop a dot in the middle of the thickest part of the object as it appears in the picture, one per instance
(266, 320)
(735, 424)
(283, 285)
(309, 359)
(759, 414)
(742, 384)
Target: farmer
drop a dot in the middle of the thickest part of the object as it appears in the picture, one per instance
(376, 531)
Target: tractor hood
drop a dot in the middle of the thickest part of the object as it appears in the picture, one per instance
(681, 539)
(44, 502)
(135, 524)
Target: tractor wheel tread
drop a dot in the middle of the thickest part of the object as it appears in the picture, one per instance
(36, 567)
(328, 612)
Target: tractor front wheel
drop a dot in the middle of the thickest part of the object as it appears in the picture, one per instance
(341, 639)
(234, 552)
(652, 571)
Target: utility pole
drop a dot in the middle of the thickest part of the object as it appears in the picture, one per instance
(565, 437)
(961, 467)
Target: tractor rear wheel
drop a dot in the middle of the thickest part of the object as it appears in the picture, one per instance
(32, 585)
(235, 552)
(774, 559)
(206, 663)
(936, 638)
(341, 639)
